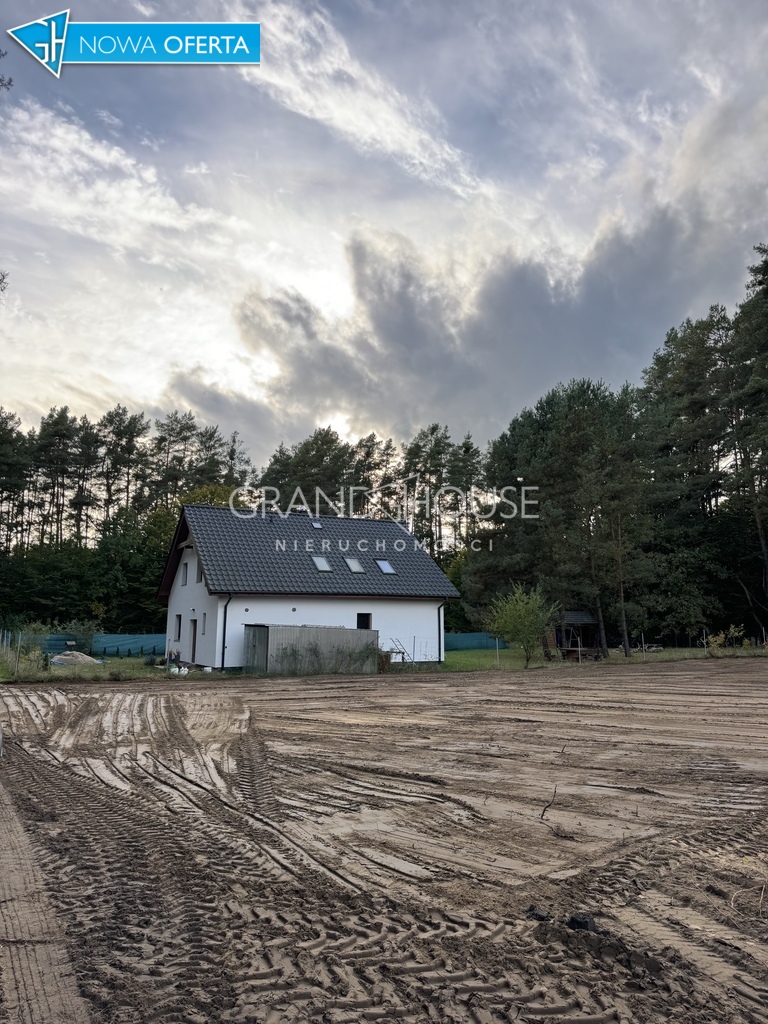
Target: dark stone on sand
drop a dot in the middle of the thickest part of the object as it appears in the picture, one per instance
(582, 922)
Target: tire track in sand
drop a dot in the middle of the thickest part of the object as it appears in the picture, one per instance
(38, 982)
(171, 923)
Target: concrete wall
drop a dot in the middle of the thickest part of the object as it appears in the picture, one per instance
(310, 650)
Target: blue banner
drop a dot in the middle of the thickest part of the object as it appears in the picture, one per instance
(56, 40)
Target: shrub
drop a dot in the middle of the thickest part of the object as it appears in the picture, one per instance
(82, 632)
(521, 618)
(731, 637)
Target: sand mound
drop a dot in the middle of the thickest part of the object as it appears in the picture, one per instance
(73, 658)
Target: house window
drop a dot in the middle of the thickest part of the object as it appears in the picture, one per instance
(202, 628)
(322, 563)
(355, 565)
(177, 628)
(199, 578)
(363, 620)
(184, 571)
(384, 565)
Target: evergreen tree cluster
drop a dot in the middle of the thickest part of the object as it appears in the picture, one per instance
(652, 499)
(88, 509)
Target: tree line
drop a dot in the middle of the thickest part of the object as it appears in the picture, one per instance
(651, 500)
(88, 509)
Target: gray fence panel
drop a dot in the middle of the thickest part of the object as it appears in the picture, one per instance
(312, 650)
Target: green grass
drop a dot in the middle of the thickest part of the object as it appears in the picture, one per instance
(113, 670)
(513, 660)
(484, 661)
(125, 669)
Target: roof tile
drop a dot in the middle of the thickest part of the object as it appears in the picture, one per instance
(272, 554)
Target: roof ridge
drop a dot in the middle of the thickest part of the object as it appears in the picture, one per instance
(283, 516)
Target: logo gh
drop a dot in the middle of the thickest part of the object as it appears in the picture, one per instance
(45, 39)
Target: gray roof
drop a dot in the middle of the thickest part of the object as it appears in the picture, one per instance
(272, 554)
(579, 618)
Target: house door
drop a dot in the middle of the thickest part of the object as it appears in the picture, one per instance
(193, 638)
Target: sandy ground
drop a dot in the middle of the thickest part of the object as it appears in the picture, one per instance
(404, 848)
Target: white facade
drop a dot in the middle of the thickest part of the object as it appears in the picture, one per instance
(196, 619)
(192, 613)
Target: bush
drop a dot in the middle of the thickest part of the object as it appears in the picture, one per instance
(521, 618)
(731, 637)
(82, 632)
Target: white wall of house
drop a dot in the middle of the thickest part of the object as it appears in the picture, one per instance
(190, 602)
(416, 624)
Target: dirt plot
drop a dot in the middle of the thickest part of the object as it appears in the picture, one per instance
(410, 848)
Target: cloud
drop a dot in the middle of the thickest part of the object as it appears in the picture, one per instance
(308, 68)
(408, 212)
(421, 345)
(201, 168)
(109, 120)
(63, 177)
(257, 423)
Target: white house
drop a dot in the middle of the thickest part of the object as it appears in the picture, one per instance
(230, 570)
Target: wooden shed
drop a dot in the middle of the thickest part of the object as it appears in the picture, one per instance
(576, 635)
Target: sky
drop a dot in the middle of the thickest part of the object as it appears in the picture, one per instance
(412, 211)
